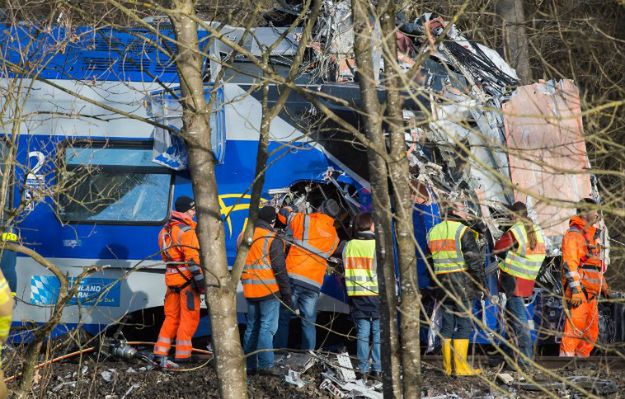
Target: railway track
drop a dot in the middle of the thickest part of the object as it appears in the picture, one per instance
(550, 362)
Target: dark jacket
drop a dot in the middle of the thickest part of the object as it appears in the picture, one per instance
(511, 285)
(467, 284)
(364, 307)
(277, 259)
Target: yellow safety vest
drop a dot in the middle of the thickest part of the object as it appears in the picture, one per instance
(5, 321)
(361, 278)
(524, 262)
(444, 241)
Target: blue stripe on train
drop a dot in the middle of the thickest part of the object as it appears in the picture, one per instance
(42, 230)
(92, 54)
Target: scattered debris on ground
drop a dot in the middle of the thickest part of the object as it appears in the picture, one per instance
(305, 375)
(339, 379)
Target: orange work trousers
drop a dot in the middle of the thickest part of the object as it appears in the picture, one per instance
(581, 330)
(182, 316)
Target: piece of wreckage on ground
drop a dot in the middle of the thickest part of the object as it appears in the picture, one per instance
(475, 138)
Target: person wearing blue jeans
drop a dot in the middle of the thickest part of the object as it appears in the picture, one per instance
(265, 281)
(262, 324)
(368, 330)
(304, 302)
(361, 283)
(458, 271)
(522, 252)
(519, 328)
(313, 239)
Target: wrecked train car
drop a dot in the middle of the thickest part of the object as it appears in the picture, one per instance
(97, 186)
(92, 186)
(476, 138)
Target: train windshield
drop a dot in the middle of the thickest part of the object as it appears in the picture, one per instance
(114, 185)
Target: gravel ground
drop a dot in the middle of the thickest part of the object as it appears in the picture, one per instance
(119, 379)
(116, 380)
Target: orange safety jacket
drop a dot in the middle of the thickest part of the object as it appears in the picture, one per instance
(315, 240)
(258, 278)
(582, 267)
(179, 248)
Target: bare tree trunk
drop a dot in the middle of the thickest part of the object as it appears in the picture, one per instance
(220, 293)
(515, 37)
(363, 31)
(410, 301)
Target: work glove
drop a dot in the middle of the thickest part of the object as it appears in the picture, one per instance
(197, 279)
(576, 299)
(605, 292)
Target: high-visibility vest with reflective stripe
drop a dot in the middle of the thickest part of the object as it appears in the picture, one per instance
(361, 278)
(590, 269)
(444, 241)
(257, 278)
(5, 296)
(177, 272)
(524, 262)
(315, 240)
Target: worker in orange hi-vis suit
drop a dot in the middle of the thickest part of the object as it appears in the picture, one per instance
(582, 277)
(184, 279)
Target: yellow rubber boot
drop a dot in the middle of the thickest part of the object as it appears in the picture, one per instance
(461, 350)
(447, 356)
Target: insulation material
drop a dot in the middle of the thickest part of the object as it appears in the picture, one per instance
(547, 153)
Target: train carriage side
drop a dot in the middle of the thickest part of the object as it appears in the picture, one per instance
(64, 134)
(121, 198)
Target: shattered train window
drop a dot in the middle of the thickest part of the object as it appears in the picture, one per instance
(113, 185)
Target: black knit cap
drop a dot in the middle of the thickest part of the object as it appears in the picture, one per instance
(267, 213)
(184, 203)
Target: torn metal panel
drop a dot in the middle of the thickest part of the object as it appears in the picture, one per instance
(345, 368)
(354, 388)
(327, 385)
(257, 39)
(293, 378)
(169, 149)
(485, 169)
(547, 153)
(337, 23)
(359, 389)
(298, 362)
(487, 166)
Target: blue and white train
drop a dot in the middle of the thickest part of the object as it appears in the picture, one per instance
(94, 194)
